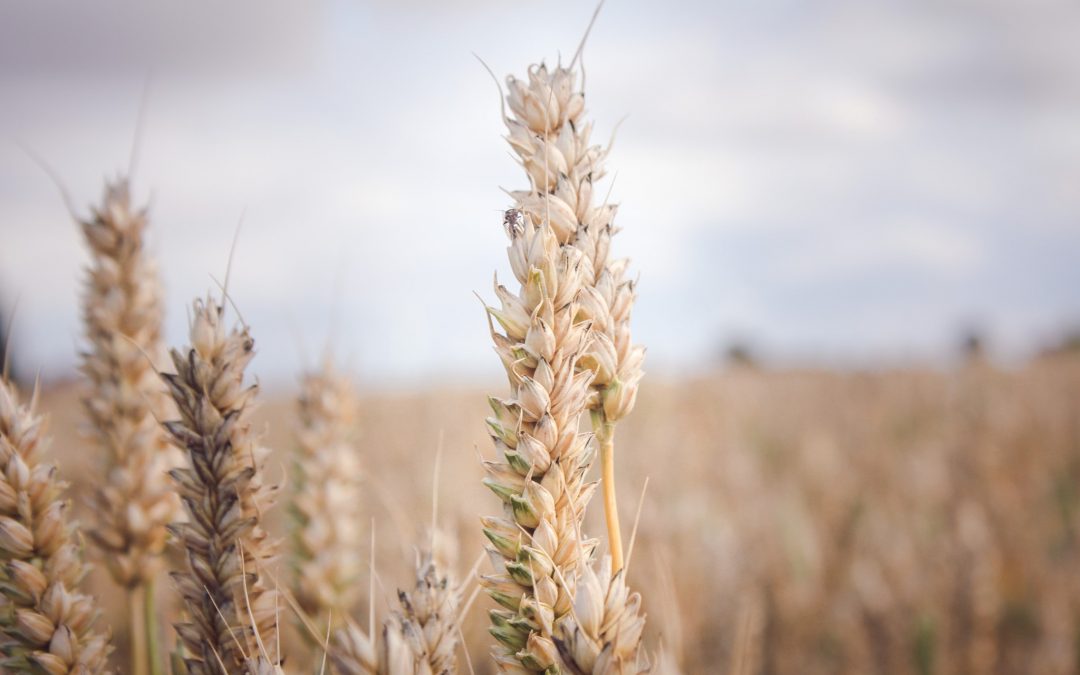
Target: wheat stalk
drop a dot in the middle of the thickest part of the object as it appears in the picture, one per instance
(327, 500)
(122, 316)
(428, 617)
(122, 312)
(232, 610)
(47, 625)
(419, 638)
(550, 136)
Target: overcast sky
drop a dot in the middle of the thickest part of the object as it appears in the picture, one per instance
(844, 181)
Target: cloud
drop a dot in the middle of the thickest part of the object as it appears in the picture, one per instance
(59, 37)
(788, 172)
(918, 246)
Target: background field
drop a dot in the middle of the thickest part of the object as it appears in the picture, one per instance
(908, 521)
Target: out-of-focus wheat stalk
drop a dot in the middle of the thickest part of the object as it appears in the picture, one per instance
(746, 653)
(232, 609)
(419, 638)
(47, 625)
(327, 500)
(428, 616)
(550, 136)
(122, 315)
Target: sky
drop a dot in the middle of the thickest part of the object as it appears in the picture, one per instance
(840, 182)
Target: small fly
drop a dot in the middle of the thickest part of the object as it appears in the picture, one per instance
(514, 222)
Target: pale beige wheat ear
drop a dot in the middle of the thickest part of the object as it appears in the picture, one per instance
(232, 609)
(122, 318)
(543, 459)
(551, 137)
(603, 634)
(47, 624)
(326, 503)
(428, 617)
(420, 637)
(122, 314)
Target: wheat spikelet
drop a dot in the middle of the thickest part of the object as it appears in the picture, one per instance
(47, 625)
(232, 609)
(327, 500)
(122, 313)
(262, 665)
(543, 459)
(603, 635)
(352, 652)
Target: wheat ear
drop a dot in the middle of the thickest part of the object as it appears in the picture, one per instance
(540, 472)
(231, 607)
(428, 617)
(550, 136)
(327, 501)
(47, 625)
(419, 638)
(122, 316)
(122, 313)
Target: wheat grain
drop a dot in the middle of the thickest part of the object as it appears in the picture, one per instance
(47, 624)
(327, 501)
(122, 313)
(232, 609)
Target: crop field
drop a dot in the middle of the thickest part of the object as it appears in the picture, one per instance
(794, 522)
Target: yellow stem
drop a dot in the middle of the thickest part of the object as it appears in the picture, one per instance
(153, 630)
(137, 629)
(605, 433)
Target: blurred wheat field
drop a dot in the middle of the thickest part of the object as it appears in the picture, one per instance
(909, 521)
